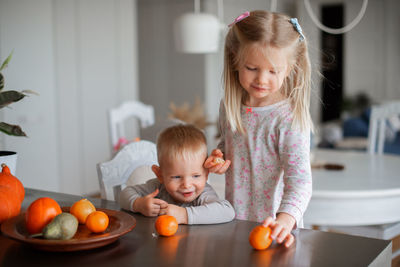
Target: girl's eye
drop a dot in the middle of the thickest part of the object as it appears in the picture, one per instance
(251, 69)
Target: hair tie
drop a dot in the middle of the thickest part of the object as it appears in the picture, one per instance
(296, 25)
(240, 17)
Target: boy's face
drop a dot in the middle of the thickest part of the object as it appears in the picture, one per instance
(183, 178)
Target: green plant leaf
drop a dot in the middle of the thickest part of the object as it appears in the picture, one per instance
(8, 97)
(10, 129)
(5, 62)
(1, 81)
(27, 91)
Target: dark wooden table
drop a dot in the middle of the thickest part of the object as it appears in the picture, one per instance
(199, 245)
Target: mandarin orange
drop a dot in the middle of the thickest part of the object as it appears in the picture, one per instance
(259, 237)
(97, 221)
(81, 209)
(166, 225)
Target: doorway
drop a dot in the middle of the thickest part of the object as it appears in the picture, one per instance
(332, 63)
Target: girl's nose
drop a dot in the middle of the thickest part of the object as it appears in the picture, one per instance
(263, 77)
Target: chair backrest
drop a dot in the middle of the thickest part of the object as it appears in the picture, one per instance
(117, 117)
(114, 174)
(380, 114)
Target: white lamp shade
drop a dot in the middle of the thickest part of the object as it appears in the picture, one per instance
(197, 33)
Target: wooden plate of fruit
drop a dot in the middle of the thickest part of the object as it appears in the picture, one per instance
(120, 223)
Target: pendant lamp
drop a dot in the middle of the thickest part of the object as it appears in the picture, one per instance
(197, 32)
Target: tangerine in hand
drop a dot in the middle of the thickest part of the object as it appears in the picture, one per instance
(166, 225)
(97, 221)
(259, 237)
(81, 209)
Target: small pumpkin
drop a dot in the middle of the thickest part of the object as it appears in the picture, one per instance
(9, 205)
(9, 180)
(12, 194)
(40, 213)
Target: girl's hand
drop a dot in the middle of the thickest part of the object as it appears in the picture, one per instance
(216, 163)
(178, 212)
(149, 205)
(281, 228)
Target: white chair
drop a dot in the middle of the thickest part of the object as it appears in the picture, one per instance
(117, 117)
(380, 116)
(131, 165)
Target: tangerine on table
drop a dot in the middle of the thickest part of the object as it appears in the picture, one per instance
(81, 209)
(97, 221)
(259, 237)
(166, 225)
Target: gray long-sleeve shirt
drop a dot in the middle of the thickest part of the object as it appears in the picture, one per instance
(207, 208)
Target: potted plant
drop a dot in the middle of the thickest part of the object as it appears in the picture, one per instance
(7, 98)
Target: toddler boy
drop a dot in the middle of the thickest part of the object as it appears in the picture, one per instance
(180, 188)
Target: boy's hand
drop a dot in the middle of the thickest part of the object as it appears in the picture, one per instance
(216, 163)
(178, 212)
(149, 205)
(281, 228)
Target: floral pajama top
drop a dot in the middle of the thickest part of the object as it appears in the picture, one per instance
(270, 170)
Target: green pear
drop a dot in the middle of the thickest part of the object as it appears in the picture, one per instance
(62, 227)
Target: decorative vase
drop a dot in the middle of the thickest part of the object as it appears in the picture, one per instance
(10, 159)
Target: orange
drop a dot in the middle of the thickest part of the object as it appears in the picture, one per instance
(166, 225)
(259, 237)
(81, 209)
(97, 221)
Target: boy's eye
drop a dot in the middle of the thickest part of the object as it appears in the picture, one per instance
(176, 177)
(196, 175)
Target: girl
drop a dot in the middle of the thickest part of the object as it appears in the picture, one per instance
(265, 122)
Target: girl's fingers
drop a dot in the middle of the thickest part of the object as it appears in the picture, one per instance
(225, 166)
(289, 240)
(215, 169)
(220, 168)
(282, 235)
(276, 231)
(217, 153)
(208, 163)
(269, 221)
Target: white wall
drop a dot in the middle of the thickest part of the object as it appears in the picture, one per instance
(373, 51)
(81, 57)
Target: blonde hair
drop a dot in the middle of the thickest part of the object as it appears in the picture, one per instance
(267, 29)
(183, 140)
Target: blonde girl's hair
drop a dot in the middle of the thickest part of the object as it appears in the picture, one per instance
(182, 140)
(267, 29)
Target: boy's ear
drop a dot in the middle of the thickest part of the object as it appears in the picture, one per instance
(157, 171)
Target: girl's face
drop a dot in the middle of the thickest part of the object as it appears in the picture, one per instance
(262, 76)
